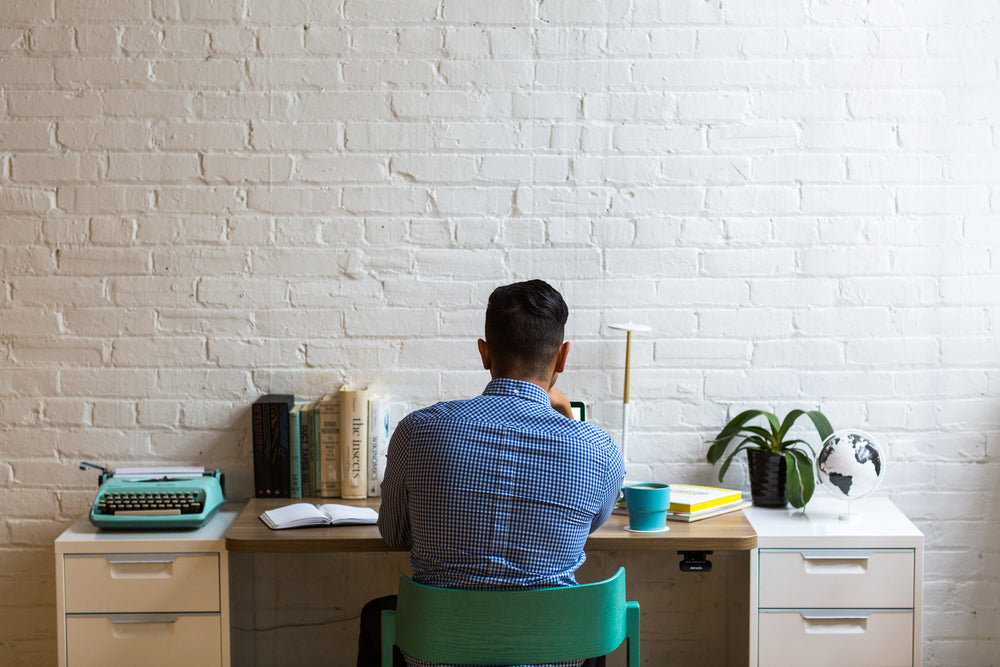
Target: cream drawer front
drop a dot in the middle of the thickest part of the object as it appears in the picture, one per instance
(147, 640)
(833, 638)
(113, 583)
(836, 578)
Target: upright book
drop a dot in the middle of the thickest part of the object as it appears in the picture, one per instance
(295, 451)
(271, 445)
(306, 450)
(353, 443)
(378, 442)
(329, 450)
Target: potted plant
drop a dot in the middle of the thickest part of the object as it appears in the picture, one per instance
(781, 468)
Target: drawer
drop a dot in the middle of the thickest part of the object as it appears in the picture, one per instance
(824, 637)
(149, 640)
(110, 583)
(836, 578)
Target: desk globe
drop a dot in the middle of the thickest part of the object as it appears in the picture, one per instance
(850, 465)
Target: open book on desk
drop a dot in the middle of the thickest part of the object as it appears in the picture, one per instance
(299, 515)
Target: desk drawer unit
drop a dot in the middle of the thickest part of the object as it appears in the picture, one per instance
(821, 607)
(836, 578)
(824, 637)
(143, 597)
(150, 640)
(112, 583)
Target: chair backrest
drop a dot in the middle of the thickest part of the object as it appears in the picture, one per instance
(532, 626)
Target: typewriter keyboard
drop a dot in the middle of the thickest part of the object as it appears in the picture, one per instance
(156, 503)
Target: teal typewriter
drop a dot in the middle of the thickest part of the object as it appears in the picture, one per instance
(171, 498)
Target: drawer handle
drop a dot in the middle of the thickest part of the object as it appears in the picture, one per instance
(134, 560)
(835, 622)
(137, 626)
(141, 569)
(836, 562)
(126, 619)
(834, 614)
(837, 554)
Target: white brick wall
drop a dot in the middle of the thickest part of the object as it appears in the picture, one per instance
(204, 201)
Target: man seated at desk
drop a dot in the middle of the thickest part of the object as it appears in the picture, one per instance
(499, 491)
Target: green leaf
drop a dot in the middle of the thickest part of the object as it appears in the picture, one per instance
(762, 432)
(800, 481)
(773, 421)
(822, 425)
(800, 446)
(793, 483)
(729, 459)
(730, 431)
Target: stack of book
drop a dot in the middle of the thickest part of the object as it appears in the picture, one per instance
(332, 447)
(693, 503)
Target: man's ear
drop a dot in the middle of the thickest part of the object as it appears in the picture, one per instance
(561, 357)
(484, 352)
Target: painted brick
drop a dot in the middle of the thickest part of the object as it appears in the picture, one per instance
(341, 106)
(518, 12)
(232, 168)
(192, 10)
(77, 73)
(90, 135)
(341, 168)
(100, 10)
(434, 168)
(813, 354)
(754, 137)
(396, 73)
(25, 200)
(282, 40)
(52, 40)
(459, 263)
(25, 135)
(273, 136)
(177, 135)
(158, 168)
(96, 40)
(296, 13)
(27, 11)
(28, 260)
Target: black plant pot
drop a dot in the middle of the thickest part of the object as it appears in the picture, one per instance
(767, 478)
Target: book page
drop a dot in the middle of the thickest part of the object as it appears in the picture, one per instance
(290, 516)
(346, 514)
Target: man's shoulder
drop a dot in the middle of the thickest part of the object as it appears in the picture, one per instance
(453, 409)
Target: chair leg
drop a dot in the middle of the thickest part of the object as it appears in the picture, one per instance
(388, 636)
(632, 633)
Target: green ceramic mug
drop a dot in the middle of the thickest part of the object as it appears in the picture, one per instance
(647, 505)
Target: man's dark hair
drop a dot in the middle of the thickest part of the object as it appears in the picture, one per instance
(524, 325)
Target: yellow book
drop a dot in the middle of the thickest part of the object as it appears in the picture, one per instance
(688, 498)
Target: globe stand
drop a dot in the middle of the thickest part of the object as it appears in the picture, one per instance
(848, 516)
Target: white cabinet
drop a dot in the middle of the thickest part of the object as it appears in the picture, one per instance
(827, 591)
(143, 597)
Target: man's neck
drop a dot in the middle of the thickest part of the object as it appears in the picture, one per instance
(544, 383)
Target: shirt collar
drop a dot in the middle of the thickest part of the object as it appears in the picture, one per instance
(519, 388)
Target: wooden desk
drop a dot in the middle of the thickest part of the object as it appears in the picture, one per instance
(730, 532)
(678, 606)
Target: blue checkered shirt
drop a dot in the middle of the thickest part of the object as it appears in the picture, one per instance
(498, 491)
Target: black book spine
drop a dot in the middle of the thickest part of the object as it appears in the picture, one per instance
(272, 455)
(281, 478)
(260, 437)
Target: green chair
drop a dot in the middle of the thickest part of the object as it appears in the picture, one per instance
(531, 626)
